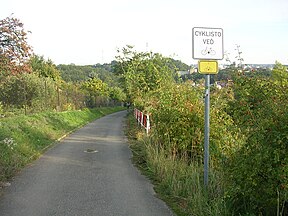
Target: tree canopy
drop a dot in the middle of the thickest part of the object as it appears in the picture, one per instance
(143, 72)
(44, 68)
(14, 49)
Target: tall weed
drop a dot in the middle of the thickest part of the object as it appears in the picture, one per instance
(178, 181)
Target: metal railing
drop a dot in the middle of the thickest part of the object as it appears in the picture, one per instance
(142, 119)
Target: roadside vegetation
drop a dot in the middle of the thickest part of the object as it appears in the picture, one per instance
(31, 84)
(248, 138)
(24, 138)
(40, 102)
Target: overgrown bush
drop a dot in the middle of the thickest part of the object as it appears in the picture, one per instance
(179, 181)
(178, 120)
(26, 91)
(30, 93)
(258, 171)
(248, 131)
(175, 113)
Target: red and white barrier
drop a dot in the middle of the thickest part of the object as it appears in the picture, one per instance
(143, 119)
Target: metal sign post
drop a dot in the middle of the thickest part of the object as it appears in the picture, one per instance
(207, 44)
(207, 67)
(207, 129)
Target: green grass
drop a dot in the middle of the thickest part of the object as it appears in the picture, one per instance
(24, 138)
(178, 183)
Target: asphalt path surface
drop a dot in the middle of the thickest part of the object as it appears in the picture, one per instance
(88, 173)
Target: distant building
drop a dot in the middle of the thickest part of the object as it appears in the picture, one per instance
(223, 84)
(193, 70)
(181, 73)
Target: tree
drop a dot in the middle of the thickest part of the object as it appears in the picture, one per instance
(96, 86)
(27, 91)
(142, 73)
(96, 89)
(280, 74)
(44, 68)
(14, 49)
(76, 73)
(178, 65)
(117, 94)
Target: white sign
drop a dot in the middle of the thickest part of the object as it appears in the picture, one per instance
(207, 43)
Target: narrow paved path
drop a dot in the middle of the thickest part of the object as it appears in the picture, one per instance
(68, 181)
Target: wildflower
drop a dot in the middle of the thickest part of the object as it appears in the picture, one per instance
(10, 142)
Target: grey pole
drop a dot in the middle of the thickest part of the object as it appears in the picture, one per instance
(207, 129)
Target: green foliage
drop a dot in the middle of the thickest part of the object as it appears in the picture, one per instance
(178, 65)
(231, 73)
(261, 112)
(75, 73)
(248, 137)
(280, 74)
(71, 96)
(177, 181)
(178, 120)
(1, 108)
(177, 116)
(183, 183)
(95, 86)
(22, 91)
(96, 91)
(227, 74)
(30, 93)
(24, 138)
(44, 68)
(116, 93)
(142, 72)
(98, 82)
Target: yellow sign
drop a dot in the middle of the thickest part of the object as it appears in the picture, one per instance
(207, 67)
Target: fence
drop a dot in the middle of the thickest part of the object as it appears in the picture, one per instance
(143, 119)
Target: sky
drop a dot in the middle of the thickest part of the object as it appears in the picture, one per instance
(86, 32)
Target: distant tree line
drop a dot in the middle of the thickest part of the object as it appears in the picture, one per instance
(29, 83)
